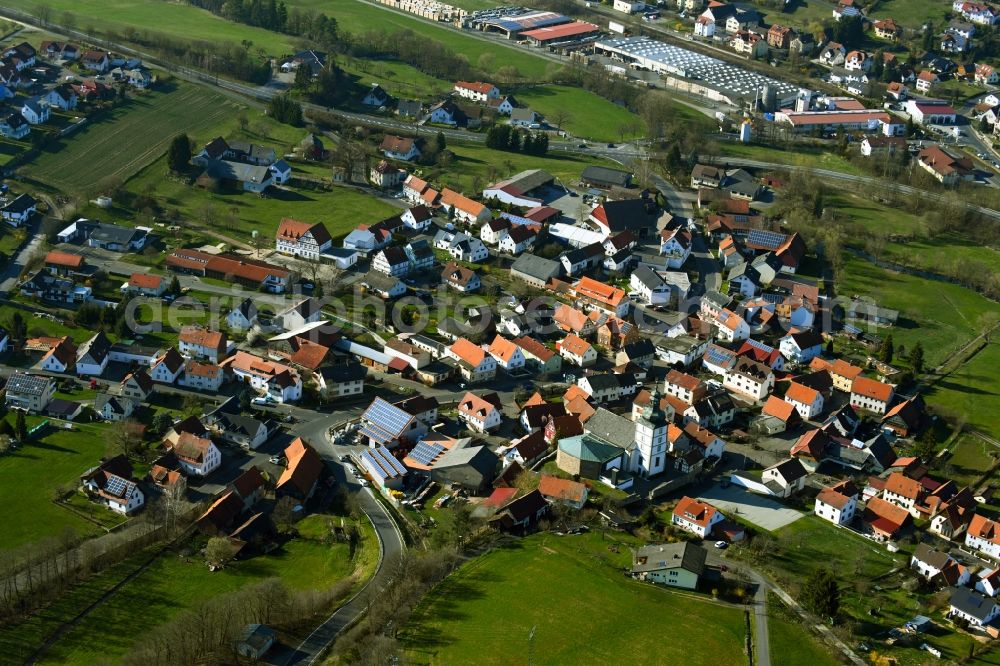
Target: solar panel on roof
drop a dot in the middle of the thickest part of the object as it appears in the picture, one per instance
(386, 417)
(425, 453)
(717, 355)
(764, 238)
(757, 344)
(116, 486)
(372, 465)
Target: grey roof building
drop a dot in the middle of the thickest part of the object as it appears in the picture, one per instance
(535, 270)
(683, 554)
(472, 467)
(605, 178)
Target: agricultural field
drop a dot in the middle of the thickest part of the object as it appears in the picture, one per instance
(131, 136)
(176, 19)
(942, 316)
(30, 476)
(565, 589)
(971, 392)
(176, 582)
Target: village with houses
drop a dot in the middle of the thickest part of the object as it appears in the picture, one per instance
(350, 364)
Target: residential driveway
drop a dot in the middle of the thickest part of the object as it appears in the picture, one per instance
(760, 511)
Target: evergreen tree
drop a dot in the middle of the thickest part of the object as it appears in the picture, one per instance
(916, 358)
(285, 110)
(542, 144)
(179, 153)
(821, 594)
(303, 77)
(20, 426)
(175, 286)
(18, 329)
(886, 351)
(528, 144)
(439, 142)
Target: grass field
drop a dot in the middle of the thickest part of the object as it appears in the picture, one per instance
(475, 161)
(571, 591)
(174, 583)
(944, 253)
(972, 391)
(177, 19)
(30, 476)
(40, 327)
(816, 159)
(589, 116)
(10, 239)
(941, 316)
(791, 643)
(356, 17)
(810, 543)
(970, 459)
(238, 214)
(398, 78)
(910, 13)
(131, 136)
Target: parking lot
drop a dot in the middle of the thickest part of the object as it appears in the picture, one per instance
(761, 511)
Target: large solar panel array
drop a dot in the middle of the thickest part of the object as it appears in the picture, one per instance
(727, 78)
(425, 453)
(765, 238)
(383, 421)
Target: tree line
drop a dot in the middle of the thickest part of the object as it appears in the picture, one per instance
(239, 61)
(505, 137)
(316, 27)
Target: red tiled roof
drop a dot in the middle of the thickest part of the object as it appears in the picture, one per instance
(535, 348)
(468, 351)
(871, 388)
(145, 281)
(304, 467)
(203, 337)
(476, 86)
(574, 344)
(293, 230)
(563, 489)
(66, 259)
(833, 498)
(694, 511)
(599, 291)
(778, 408)
(801, 394)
